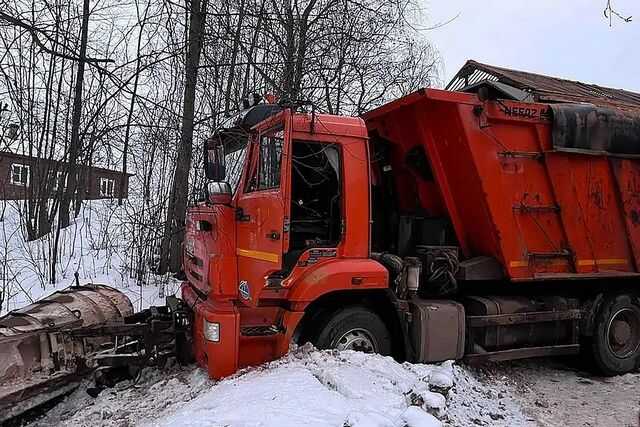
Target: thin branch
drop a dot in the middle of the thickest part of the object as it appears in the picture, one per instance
(34, 34)
(610, 12)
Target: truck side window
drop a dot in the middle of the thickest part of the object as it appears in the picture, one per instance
(270, 161)
(267, 173)
(316, 206)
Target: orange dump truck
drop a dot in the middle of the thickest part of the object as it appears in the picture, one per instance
(442, 225)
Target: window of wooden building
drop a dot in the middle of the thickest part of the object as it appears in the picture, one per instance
(106, 187)
(20, 174)
(60, 181)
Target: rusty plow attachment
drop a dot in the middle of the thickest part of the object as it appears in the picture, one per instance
(47, 348)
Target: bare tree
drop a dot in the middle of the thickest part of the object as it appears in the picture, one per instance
(95, 84)
(177, 208)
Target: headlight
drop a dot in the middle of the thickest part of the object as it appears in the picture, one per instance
(212, 331)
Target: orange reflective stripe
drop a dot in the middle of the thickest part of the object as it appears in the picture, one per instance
(604, 261)
(263, 256)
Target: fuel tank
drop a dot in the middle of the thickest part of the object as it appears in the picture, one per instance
(493, 338)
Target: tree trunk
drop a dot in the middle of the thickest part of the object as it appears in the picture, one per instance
(127, 135)
(234, 58)
(289, 58)
(74, 145)
(171, 247)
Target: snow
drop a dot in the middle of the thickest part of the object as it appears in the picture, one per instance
(557, 392)
(416, 418)
(98, 245)
(307, 387)
(484, 404)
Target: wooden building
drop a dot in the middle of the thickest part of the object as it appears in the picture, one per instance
(22, 176)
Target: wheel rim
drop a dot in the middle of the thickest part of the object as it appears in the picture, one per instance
(623, 332)
(356, 339)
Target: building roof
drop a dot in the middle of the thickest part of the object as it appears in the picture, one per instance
(545, 88)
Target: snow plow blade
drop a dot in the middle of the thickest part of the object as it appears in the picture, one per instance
(40, 357)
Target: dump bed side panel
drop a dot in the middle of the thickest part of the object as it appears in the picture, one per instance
(543, 211)
(588, 190)
(508, 154)
(627, 176)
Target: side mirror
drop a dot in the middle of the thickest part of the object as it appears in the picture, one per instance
(214, 161)
(219, 193)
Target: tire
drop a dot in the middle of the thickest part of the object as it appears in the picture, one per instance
(615, 344)
(354, 328)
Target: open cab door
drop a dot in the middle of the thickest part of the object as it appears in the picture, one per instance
(263, 207)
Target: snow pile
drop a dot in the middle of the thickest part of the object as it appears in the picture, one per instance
(316, 388)
(98, 245)
(307, 387)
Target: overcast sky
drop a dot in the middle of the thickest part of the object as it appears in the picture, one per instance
(563, 38)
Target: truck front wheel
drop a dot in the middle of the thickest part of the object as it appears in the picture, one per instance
(616, 338)
(355, 328)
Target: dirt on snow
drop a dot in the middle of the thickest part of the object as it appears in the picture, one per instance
(553, 393)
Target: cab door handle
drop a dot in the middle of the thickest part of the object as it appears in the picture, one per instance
(273, 235)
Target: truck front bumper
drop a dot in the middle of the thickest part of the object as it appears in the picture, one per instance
(217, 350)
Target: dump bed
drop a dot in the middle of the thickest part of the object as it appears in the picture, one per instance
(550, 191)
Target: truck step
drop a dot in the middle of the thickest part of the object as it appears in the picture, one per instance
(260, 331)
(274, 282)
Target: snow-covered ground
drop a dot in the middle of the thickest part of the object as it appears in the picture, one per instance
(98, 245)
(554, 393)
(306, 388)
(330, 388)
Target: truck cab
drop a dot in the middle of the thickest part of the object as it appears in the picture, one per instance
(278, 229)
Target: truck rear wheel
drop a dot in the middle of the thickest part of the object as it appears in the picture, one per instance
(615, 343)
(355, 328)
